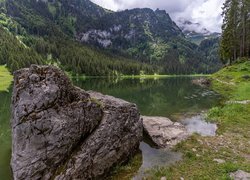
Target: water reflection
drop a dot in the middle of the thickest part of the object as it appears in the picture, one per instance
(198, 124)
(5, 135)
(168, 97)
(161, 97)
(157, 97)
(153, 157)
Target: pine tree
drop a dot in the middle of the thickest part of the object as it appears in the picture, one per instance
(235, 41)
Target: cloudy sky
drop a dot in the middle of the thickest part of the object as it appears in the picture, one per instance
(205, 12)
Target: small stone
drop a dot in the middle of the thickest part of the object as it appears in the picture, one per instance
(163, 178)
(181, 178)
(219, 161)
(246, 76)
(200, 141)
(194, 150)
(240, 175)
(197, 155)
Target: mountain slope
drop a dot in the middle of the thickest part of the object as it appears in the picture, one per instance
(142, 34)
(32, 30)
(195, 33)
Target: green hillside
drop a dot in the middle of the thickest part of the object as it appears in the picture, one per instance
(84, 38)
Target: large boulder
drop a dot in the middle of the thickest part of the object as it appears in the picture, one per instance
(163, 132)
(62, 132)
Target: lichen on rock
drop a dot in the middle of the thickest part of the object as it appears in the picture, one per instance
(60, 132)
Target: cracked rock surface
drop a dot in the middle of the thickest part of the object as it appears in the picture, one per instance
(163, 132)
(60, 131)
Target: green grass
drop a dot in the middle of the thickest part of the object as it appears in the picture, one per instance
(198, 160)
(127, 171)
(242, 92)
(232, 142)
(5, 78)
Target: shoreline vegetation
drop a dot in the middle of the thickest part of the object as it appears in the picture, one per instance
(5, 78)
(138, 76)
(217, 157)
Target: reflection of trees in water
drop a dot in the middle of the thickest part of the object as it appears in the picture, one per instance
(5, 98)
(111, 84)
(154, 97)
(5, 134)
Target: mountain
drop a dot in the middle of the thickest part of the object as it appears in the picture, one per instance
(78, 34)
(31, 26)
(195, 33)
(140, 33)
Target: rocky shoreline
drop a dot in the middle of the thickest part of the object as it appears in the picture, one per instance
(60, 131)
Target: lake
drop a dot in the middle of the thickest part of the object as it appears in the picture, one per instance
(174, 97)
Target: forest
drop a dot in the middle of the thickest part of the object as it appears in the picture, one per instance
(49, 31)
(38, 42)
(235, 40)
(79, 60)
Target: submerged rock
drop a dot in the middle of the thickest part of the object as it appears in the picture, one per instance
(163, 132)
(204, 82)
(62, 132)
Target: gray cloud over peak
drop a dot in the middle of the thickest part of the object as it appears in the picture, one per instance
(205, 12)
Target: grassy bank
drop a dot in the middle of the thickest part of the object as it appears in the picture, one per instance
(229, 151)
(5, 78)
(121, 77)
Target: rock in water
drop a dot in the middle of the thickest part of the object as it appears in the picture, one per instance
(163, 132)
(204, 82)
(62, 132)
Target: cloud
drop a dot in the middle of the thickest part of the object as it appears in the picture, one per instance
(205, 12)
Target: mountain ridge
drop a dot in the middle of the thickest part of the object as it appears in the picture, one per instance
(195, 33)
(144, 35)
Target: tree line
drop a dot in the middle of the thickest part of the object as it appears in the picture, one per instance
(33, 39)
(235, 41)
(14, 54)
(67, 54)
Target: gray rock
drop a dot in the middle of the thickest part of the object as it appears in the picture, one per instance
(219, 161)
(163, 132)
(246, 77)
(62, 132)
(239, 102)
(202, 82)
(240, 175)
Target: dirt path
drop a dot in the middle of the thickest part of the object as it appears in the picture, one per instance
(239, 102)
(224, 82)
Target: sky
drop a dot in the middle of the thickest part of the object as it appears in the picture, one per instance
(205, 12)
